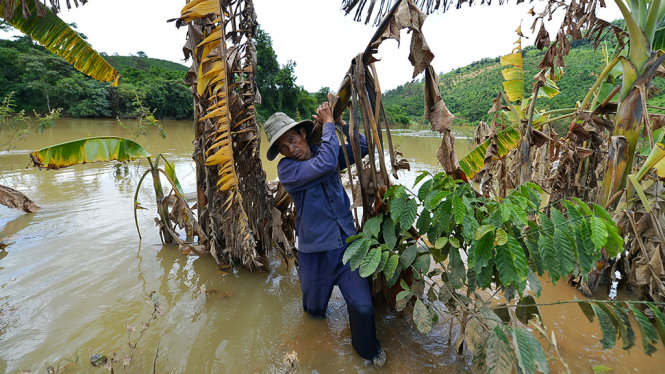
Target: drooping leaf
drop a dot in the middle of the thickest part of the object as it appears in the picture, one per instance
(388, 232)
(422, 263)
(359, 255)
(524, 350)
(474, 161)
(566, 251)
(511, 264)
(422, 317)
(534, 283)
(351, 249)
(550, 258)
(484, 229)
(598, 232)
(482, 251)
(499, 357)
(391, 266)
(587, 310)
(660, 322)
(421, 176)
(385, 254)
(434, 198)
(373, 225)
(407, 257)
(59, 38)
(370, 263)
(459, 210)
(625, 329)
(81, 151)
(397, 206)
(607, 327)
(456, 269)
(500, 237)
(424, 221)
(408, 215)
(649, 334)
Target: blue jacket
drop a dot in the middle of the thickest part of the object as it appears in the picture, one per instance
(323, 209)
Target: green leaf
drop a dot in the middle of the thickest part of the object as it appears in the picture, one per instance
(385, 254)
(539, 356)
(81, 151)
(587, 310)
(421, 176)
(408, 215)
(523, 350)
(59, 38)
(534, 283)
(607, 327)
(625, 329)
(601, 212)
(649, 334)
(424, 222)
(660, 322)
(550, 257)
(598, 232)
(558, 219)
(456, 269)
(519, 213)
(373, 225)
(403, 295)
(484, 229)
(422, 317)
(422, 263)
(391, 266)
(614, 243)
(397, 205)
(425, 189)
(474, 161)
(388, 232)
(407, 257)
(357, 258)
(454, 242)
(500, 237)
(482, 251)
(511, 264)
(370, 263)
(351, 249)
(601, 369)
(441, 242)
(582, 207)
(499, 357)
(566, 252)
(546, 224)
(459, 210)
(434, 198)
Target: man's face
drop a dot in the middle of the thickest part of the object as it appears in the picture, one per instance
(294, 145)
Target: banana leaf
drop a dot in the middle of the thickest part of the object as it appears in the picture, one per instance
(656, 160)
(506, 139)
(56, 36)
(81, 151)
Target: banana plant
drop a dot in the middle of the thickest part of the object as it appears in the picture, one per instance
(639, 66)
(110, 148)
(36, 20)
(513, 115)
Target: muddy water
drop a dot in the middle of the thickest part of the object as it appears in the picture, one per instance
(75, 275)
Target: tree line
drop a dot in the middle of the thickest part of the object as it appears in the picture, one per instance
(41, 82)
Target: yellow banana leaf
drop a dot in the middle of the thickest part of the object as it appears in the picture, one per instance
(656, 160)
(506, 139)
(81, 151)
(56, 36)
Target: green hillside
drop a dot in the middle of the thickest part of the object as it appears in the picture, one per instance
(468, 91)
(121, 63)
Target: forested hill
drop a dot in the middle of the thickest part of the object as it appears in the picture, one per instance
(468, 91)
(143, 62)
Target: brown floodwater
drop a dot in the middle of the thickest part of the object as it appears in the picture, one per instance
(75, 274)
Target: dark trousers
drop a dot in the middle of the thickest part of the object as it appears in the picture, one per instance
(319, 272)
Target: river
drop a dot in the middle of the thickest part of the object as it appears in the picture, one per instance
(75, 275)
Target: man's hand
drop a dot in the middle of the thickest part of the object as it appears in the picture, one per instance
(323, 114)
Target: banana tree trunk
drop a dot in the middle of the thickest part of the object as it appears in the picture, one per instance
(162, 204)
(629, 118)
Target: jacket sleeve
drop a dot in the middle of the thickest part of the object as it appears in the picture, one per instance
(363, 148)
(295, 175)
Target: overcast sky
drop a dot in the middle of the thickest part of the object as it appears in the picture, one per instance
(315, 34)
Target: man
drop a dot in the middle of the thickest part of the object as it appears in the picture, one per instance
(323, 221)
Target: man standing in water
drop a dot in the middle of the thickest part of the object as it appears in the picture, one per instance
(323, 221)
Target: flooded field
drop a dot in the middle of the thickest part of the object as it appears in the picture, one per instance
(75, 275)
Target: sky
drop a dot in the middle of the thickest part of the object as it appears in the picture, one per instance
(316, 35)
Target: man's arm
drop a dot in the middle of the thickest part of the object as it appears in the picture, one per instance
(363, 148)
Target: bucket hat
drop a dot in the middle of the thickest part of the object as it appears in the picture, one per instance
(277, 125)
